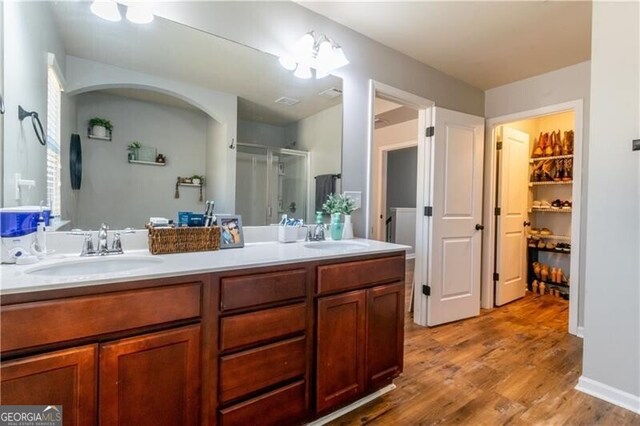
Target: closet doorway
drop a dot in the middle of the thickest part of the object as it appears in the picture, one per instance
(532, 208)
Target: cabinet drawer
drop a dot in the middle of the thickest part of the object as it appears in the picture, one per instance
(262, 289)
(283, 406)
(352, 275)
(255, 369)
(241, 330)
(40, 323)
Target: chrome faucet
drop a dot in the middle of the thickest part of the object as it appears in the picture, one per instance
(317, 234)
(103, 246)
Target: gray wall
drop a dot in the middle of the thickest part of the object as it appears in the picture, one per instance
(274, 27)
(402, 178)
(28, 28)
(126, 195)
(612, 304)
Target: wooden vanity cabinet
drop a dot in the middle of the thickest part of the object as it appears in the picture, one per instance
(360, 333)
(66, 377)
(130, 357)
(265, 348)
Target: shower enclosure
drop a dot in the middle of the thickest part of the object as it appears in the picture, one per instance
(271, 182)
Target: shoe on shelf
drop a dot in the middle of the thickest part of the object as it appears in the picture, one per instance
(556, 204)
(531, 242)
(534, 231)
(541, 244)
(567, 248)
(545, 204)
(546, 231)
(536, 204)
(566, 205)
(551, 245)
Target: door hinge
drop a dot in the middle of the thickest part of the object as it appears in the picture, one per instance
(426, 290)
(496, 276)
(430, 131)
(499, 145)
(497, 211)
(428, 211)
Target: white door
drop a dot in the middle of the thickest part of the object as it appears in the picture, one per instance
(513, 176)
(457, 150)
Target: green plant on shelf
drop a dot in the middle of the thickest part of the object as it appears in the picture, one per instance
(103, 122)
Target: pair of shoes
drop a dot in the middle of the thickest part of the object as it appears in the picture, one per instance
(534, 231)
(564, 247)
(566, 205)
(546, 231)
(551, 246)
(556, 204)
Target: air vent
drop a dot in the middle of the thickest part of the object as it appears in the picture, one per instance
(331, 93)
(287, 101)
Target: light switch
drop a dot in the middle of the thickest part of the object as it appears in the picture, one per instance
(356, 196)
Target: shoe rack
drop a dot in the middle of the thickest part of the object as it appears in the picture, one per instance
(550, 207)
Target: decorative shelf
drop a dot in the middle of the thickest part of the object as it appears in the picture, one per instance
(147, 163)
(100, 138)
(553, 157)
(548, 210)
(552, 237)
(550, 250)
(190, 184)
(551, 182)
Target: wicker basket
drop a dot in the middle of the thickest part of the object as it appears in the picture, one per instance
(183, 240)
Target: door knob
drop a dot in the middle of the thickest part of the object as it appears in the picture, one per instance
(526, 223)
(479, 227)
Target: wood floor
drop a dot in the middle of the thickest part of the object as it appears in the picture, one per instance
(512, 365)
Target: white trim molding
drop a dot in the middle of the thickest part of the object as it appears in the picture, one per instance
(610, 394)
(359, 403)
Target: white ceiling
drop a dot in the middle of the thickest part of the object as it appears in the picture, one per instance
(485, 44)
(171, 50)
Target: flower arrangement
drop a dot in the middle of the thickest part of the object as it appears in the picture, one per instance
(339, 204)
(133, 146)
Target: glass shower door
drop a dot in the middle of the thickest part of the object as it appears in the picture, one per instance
(271, 182)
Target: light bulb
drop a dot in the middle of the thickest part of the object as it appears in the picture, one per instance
(325, 58)
(287, 62)
(339, 59)
(304, 47)
(303, 71)
(106, 9)
(139, 14)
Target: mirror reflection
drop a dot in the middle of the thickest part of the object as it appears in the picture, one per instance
(160, 129)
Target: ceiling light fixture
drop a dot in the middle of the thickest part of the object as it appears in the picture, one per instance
(320, 53)
(106, 9)
(139, 14)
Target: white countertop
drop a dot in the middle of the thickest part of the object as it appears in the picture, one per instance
(17, 279)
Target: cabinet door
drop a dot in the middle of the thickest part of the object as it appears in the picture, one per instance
(66, 378)
(152, 379)
(385, 334)
(341, 349)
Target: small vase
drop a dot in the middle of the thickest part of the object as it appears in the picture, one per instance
(347, 232)
(336, 227)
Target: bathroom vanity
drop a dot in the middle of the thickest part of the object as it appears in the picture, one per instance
(269, 334)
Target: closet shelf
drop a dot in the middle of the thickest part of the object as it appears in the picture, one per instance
(566, 182)
(548, 210)
(550, 250)
(551, 237)
(553, 157)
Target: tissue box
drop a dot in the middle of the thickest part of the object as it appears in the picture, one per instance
(288, 234)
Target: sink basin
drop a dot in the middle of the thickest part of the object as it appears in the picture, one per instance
(93, 266)
(336, 245)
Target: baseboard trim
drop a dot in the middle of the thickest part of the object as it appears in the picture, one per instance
(359, 403)
(610, 394)
(410, 256)
(580, 332)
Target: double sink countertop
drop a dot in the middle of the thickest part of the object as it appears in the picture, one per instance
(60, 271)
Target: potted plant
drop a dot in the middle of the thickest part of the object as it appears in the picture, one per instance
(100, 126)
(133, 148)
(197, 179)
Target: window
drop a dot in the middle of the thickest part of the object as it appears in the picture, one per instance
(54, 90)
